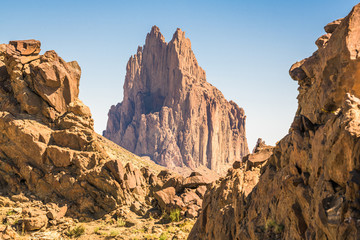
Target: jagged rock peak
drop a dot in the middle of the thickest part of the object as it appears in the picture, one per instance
(179, 34)
(154, 36)
(170, 113)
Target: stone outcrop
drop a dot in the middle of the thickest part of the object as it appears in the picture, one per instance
(309, 187)
(171, 114)
(47, 143)
(180, 193)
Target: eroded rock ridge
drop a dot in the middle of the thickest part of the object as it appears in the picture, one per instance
(309, 188)
(48, 147)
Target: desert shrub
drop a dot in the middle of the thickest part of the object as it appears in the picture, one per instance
(186, 226)
(272, 225)
(163, 236)
(121, 222)
(114, 233)
(175, 215)
(76, 231)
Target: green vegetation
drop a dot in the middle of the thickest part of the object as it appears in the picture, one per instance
(150, 237)
(272, 225)
(96, 230)
(175, 215)
(163, 236)
(11, 212)
(186, 226)
(114, 233)
(76, 231)
(121, 222)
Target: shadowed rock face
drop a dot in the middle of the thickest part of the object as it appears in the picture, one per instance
(309, 188)
(47, 143)
(170, 113)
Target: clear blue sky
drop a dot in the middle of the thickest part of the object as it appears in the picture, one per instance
(245, 47)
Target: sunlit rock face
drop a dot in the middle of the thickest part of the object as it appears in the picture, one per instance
(170, 113)
(309, 188)
(48, 147)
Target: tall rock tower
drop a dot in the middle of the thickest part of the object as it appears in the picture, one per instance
(171, 114)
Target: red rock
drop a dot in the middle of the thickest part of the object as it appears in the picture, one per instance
(48, 140)
(313, 176)
(200, 191)
(195, 181)
(165, 197)
(191, 198)
(168, 107)
(117, 169)
(330, 27)
(192, 211)
(55, 212)
(34, 219)
(176, 182)
(27, 47)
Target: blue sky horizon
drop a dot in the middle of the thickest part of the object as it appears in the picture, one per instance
(245, 47)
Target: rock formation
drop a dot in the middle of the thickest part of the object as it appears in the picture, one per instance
(309, 188)
(54, 167)
(47, 143)
(171, 114)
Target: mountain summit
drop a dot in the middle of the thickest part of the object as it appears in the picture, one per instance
(171, 113)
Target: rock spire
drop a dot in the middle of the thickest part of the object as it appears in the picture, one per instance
(171, 113)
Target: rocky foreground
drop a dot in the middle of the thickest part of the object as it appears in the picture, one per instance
(309, 187)
(172, 114)
(59, 179)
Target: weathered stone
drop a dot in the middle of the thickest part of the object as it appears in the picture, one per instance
(165, 197)
(55, 212)
(200, 191)
(237, 164)
(175, 182)
(195, 181)
(57, 81)
(27, 47)
(191, 198)
(117, 169)
(330, 27)
(309, 188)
(48, 146)
(170, 113)
(34, 219)
(192, 211)
(138, 208)
(19, 198)
(59, 156)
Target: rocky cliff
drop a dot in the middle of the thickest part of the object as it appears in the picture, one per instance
(54, 169)
(171, 114)
(48, 147)
(309, 188)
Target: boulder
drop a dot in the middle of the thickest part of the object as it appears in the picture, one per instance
(27, 47)
(55, 212)
(195, 181)
(190, 198)
(34, 219)
(165, 197)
